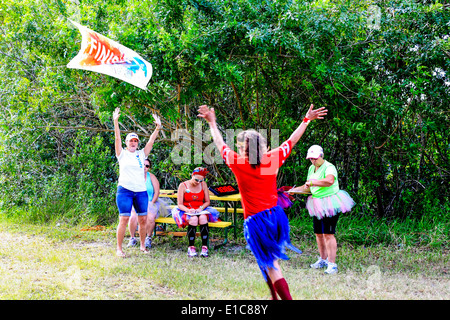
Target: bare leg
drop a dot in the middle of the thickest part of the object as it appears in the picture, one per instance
(142, 223)
(132, 224)
(321, 245)
(275, 274)
(331, 247)
(121, 229)
(150, 223)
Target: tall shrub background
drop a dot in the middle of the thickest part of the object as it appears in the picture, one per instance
(384, 79)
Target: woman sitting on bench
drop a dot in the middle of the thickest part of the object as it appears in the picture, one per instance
(193, 210)
(156, 207)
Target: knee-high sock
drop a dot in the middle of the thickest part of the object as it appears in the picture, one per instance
(282, 289)
(204, 232)
(191, 234)
(271, 288)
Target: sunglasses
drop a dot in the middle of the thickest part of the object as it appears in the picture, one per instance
(199, 180)
(148, 166)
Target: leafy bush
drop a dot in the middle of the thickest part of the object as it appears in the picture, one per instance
(259, 64)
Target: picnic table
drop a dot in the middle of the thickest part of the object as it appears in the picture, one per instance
(230, 206)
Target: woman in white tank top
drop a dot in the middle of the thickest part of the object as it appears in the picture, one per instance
(131, 189)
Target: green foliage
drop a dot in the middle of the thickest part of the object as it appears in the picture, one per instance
(385, 81)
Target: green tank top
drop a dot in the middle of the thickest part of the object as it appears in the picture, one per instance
(325, 169)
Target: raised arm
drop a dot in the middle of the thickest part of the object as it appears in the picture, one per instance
(310, 115)
(148, 147)
(117, 140)
(210, 116)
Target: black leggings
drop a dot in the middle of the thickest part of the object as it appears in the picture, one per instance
(326, 225)
(204, 233)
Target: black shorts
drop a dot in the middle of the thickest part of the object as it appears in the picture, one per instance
(326, 225)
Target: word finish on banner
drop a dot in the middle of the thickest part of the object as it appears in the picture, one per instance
(103, 55)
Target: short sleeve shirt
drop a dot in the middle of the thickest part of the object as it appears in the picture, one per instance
(258, 186)
(325, 169)
(131, 170)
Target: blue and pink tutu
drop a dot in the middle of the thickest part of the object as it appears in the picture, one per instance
(329, 206)
(182, 219)
(267, 235)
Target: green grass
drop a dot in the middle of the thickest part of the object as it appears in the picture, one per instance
(59, 261)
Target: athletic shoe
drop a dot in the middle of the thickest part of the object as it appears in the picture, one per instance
(319, 264)
(332, 268)
(132, 242)
(192, 252)
(148, 242)
(204, 251)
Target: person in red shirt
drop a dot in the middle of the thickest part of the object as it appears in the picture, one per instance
(193, 209)
(266, 227)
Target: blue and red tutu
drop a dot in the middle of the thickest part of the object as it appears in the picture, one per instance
(267, 235)
(182, 219)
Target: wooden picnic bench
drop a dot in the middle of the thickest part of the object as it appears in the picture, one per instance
(225, 225)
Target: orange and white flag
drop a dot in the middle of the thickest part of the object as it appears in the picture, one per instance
(103, 55)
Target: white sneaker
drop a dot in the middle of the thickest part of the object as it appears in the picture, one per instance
(204, 252)
(319, 264)
(332, 268)
(192, 252)
(132, 243)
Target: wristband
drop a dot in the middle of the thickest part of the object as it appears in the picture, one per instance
(306, 120)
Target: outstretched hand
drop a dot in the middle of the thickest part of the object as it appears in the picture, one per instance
(207, 113)
(316, 114)
(157, 120)
(116, 114)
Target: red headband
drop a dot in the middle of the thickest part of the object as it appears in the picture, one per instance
(200, 171)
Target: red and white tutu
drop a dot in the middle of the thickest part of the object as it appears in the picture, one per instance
(329, 206)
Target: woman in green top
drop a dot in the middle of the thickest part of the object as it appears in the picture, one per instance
(324, 205)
